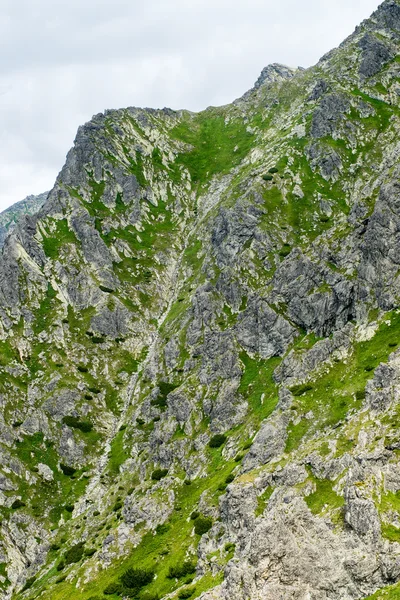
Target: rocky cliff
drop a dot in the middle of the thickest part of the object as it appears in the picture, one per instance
(10, 216)
(200, 373)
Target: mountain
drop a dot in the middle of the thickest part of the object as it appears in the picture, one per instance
(9, 217)
(199, 348)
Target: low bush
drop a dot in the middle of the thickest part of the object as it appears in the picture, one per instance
(187, 593)
(360, 394)
(136, 578)
(67, 470)
(75, 423)
(117, 506)
(74, 554)
(17, 504)
(285, 250)
(90, 551)
(202, 525)
(162, 528)
(55, 547)
(149, 596)
(217, 440)
(94, 390)
(83, 369)
(194, 515)
(302, 388)
(29, 583)
(159, 474)
(112, 588)
(179, 571)
(273, 170)
(230, 478)
(106, 289)
(69, 508)
(267, 177)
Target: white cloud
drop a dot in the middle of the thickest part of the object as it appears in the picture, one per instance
(61, 61)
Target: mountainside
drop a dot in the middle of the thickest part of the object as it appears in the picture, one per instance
(199, 348)
(10, 216)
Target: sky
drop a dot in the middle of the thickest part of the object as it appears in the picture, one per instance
(62, 61)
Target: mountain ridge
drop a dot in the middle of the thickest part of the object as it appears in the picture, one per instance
(198, 333)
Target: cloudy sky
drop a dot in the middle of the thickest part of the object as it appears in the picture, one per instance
(61, 61)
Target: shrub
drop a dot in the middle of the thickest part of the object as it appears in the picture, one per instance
(161, 529)
(112, 588)
(105, 289)
(187, 593)
(273, 170)
(202, 525)
(117, 506)
(159, 474)
(83, 369)
(324, 219)
(267, 177)
(29, 583)
(90, 551)
(74, 554)
(61, 579)
(178, 571)
(17, 504)
(55, 547)
(369, 368)
(165, 389)
(238, 457)
(69, 508)
(148, 596)
(75, 423)
(136, 578)
(217, 440)
(94, 390)
(67, 470)
(285, 250)
(229, 547)
(222, 487)
(360, 394)
(230, 478)
(60, 565)
(194, 515)
(302, 388)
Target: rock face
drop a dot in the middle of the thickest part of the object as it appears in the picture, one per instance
(199, 363)
(11, 216)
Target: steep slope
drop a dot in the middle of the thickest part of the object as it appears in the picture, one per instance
(9, 217)
(199, 375)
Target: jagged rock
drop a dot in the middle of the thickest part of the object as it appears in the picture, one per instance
(375, 55)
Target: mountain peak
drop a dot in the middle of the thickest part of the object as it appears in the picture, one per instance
(275, 72)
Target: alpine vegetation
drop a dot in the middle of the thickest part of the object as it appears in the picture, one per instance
(199, 348)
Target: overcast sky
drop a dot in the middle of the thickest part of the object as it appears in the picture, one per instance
(61, 61)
